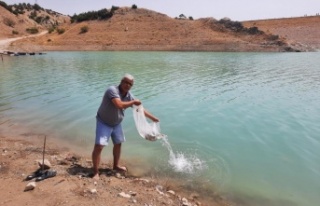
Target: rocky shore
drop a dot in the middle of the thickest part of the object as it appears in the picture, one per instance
(21, 152)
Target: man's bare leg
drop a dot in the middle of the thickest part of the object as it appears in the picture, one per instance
(96, 156)
(116, 158)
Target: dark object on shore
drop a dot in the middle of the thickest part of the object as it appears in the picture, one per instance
(46, 174)
(35, 174)
(42, 173)
(11, 53)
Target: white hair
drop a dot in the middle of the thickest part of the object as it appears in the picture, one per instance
(128, 76)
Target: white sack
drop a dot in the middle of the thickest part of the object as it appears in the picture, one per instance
(149, 131)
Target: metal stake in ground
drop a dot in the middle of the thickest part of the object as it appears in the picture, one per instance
(44, 149)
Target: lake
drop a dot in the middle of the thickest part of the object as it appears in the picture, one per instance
(245, 125)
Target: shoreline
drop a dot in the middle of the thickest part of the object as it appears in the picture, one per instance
(72, 185)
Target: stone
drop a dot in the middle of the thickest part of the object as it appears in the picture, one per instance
(122, 194)
(185, 202)
(30, 186)
(93, 191)
(171, 192)
(132, 193)
(46, 164)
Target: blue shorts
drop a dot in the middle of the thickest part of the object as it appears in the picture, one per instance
(104, 132)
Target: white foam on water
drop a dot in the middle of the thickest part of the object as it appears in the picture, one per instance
(183, 163)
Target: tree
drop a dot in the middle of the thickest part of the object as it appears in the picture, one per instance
(182, 16)
(134, 6)
(36, 7)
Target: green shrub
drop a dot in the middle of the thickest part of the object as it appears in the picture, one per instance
(14, 32)
(114, 8)
(182, 16)
(84, 29)
(93, 15)
(273, 37)
(38, 19)
(134, 6)
(50, 30)
(32, 30)
(254, 30)
(3, 4)
(36, 7)
(61, 31)
(8, 22)
(33, 15)
(233, 25)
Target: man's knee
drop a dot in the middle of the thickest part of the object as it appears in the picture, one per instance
(97, 148)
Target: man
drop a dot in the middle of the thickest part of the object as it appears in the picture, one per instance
(109, 117)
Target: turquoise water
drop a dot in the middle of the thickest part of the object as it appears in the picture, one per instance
(243, 124)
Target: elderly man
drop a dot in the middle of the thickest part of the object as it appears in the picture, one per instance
(109, 117)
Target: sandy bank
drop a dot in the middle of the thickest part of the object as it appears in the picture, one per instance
(72, 185)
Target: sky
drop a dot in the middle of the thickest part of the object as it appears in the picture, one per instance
(236, 10)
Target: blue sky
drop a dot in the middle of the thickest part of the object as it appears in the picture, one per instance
(237, 10)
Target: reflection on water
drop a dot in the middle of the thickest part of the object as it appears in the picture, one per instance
(245, 124)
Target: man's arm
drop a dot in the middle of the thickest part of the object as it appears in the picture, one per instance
(150, 116)
(124, 105)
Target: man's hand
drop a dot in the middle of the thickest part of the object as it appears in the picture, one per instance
(136, 102)
(124, 105)
(155, 119)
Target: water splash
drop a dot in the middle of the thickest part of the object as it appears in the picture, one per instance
(183, 163)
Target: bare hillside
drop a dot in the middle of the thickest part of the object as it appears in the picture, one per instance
(12, 25)
(142, 29)
(302, 30)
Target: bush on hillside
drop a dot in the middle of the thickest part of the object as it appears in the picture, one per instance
(8, 22)
(134, 6)
(238, 27)
(32, 30)
(4, 5)
(37, 7)
(92, 15)
(33, 15)
(60, 31)
(254, 30)
(84, 29)
(114, 8)
(273, 37)
(182, 16)
(233, 25)
(51, 29)
(20, 8)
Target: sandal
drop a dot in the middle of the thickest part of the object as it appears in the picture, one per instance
(35, 174)
(46, 174)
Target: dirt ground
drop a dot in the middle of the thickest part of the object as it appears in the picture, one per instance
(20, 150)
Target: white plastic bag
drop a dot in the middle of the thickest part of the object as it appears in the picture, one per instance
(149, 131)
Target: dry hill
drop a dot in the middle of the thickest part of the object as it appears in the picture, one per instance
(142, 29)
(12, 25)
(301, 30)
